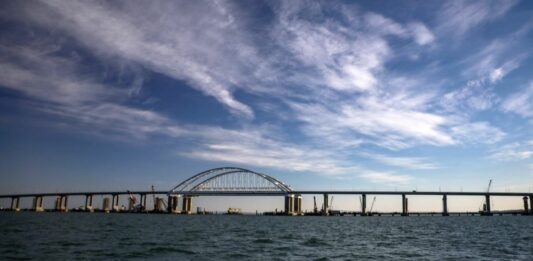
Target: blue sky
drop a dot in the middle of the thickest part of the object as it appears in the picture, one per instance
(329, 94)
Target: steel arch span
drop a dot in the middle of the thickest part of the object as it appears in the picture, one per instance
(230, 179)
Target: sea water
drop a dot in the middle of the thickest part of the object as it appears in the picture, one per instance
(61, 236)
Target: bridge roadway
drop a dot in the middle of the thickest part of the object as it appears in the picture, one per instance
(274, 193)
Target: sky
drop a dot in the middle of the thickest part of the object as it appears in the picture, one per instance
(366, 95)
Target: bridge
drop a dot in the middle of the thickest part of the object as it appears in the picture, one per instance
(232, 181)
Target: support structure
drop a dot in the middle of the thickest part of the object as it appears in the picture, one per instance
(187, 205)
(37, 205)
(89, 203)
(405, 207)
(61, 204)
(289, 204)
(106, 205)
(115, 203)
(158, 205)
(15, 202)
(173, 204)
(298, 205)
(488, 212)
(363, 205)
(143, 202)
(526, 206)
(325, 207)
(531, 204)
(445, 205)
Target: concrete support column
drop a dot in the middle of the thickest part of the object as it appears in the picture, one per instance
(173, 204)
(289, 204)
(526, 206)
(143, 202)
(488, 212)
(106, 205)
(405, 209)
(61, 204)
(115, 203)
(89, 203)
(445, 205)
(37, 205)
(325, 207)
(15, 203)
(298, 205)
(158, 205)
(531, 204)
(187, 205)
(363, 205)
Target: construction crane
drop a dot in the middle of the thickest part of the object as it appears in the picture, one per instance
(483, 206)
(315, 210)
(331, 203)
(372, 206)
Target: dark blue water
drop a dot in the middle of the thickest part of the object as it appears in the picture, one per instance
(168, 237)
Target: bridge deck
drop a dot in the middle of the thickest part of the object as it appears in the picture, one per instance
(276, 193)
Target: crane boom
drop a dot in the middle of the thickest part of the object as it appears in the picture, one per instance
(490, 183)
(372, 206)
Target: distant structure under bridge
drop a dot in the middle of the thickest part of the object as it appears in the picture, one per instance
(231, 181)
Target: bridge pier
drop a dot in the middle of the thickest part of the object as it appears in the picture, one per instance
(61, 204)
(325, 207)
(15, 201)
(405, 210)
(115, 203)
(173, 204)
(143, 202)
(526, 206)
(89, 203)
(37, 205)
(158, 205)
(298, 205)
(289, 204)
(363, 205)
(106, 205)
(445, 205)
(187, 205)
(531, 205)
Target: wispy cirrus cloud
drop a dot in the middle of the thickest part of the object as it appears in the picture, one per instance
(416, 163)
(459, 17)
(129, 31)
(384, 177)
(331, 70)
(513, 152)
(520, 103)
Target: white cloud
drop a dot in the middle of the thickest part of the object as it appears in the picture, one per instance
(512, 152)
(459, 17)
(478, 132)
(168, 46)
(393, 122)
(404, 162)
(421, 33)
(385, 177)
(520, 102)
